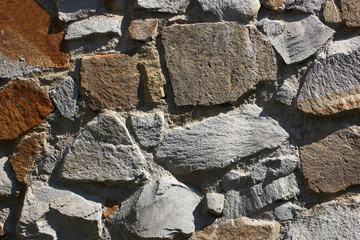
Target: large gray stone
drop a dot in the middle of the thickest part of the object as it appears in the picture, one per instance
(219, 141)
(164, 6)
(65, 96)
(161, 209)
(7, 180)
(71, 10)
(14, 68)
(103, 152)
(308, 6)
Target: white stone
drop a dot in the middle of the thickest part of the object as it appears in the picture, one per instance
(65, 96)
(164, 6)
(215, 203)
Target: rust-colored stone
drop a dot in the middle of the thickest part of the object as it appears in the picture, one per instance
(110, 207)
(143, 30)
(25, 155)
(22, 107)
(27, 31)
(351, 12)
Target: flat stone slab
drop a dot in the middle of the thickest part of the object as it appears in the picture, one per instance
(163, 6)
(72, 10)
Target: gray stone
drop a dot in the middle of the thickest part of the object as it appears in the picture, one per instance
(284, 211)
(94, 25)
(286, 93)
(215, 203)
(103, 152)
(338, 219)
(14, 68)
(7, 180)
(65, 96)
(148, 128)
(4, 214)
(164, 6)
(297, 39)
(219, 141)
(161, 209)
(231, 10)
(308, 6)
(50, 213)
(71, 10)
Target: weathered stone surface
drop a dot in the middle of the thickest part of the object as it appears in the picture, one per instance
(332, 220)
(143, 30)
(284, 211)
(331, 12)
(332, 164)
(94, 25)
(148, 128)
(4, 214)
(286, 94)
(308, 6)
(65, 96)
(276, 5)
(34, 39)
(351, 12)
(71, 10)
(23, 106)
(103, 152)
(332, 84)
(164, 6)
(7, 183)
(219, 141)
(215, 203)
(161, 209)
(240, 229)
(215, 63)
(25, 155)
(50, 213)
(231, 10)
(13, 68)
(297, 39)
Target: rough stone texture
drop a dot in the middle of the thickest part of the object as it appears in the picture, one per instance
(163, 6)
(143, 30)
(276, 5)
(36, 40)
(50, 213)
(284, 211)
(331, 12)
(332, 220)
(219, 141)
(168, 201)
(215, 203)
(297, 39)
(13, 68)
(215, 63)
(103, 152)
(148, 128)
(231, 10)
(308, 6)
(351, 12)
(332, 84)
(240, 229)
(110, 207)
(4, 214)
(286, 93)
(71, 10)
(65, 96)
(332, 164)
(7, 183)
(94, 25)
(23, 106)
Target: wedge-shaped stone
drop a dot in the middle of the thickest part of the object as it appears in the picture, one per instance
(215, 63)
(164, 6)
(219, 141)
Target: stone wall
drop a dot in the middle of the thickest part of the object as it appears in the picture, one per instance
(179, 119)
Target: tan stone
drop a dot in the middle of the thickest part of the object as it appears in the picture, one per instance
(276, 5)
(239, 229)
(110, 207)
(23, 106)
(351, 12)
(143, 30)
(331, 12)
(332, 164)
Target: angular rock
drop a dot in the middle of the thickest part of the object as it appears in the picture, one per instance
(297, 39)
(308, 6)
(168, 201)
(332, 164)
(50, 213)
(65, 96)
(23, 106)
(239, 229)
(286, 93)
(215, 63)
(231, 10)
(163, 6)
(276, 5)
(143, 30)
(338, 219)
(219, 141)
(351, 12)
(13, 68)
(148, 128)
(94, 25)
(332, 83)
(332, 14)
(215, 203)
(7, 183)
(71, 10)
(103, 152)
(284, 211)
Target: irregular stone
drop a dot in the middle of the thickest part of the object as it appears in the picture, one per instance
(94, 25)
(72, 10)
(298, 39)
(148, 128)
(4, 214)
(103, 152)
(351, 12)
(286, 94)
(65, 96)
(7, 183)
(308, 6)
(231, 10)
(143, 30)
(205, 71)
(338, 219)
(13, 68)
(332, 83)
(215, 203)
(332, 164)
(168, 201)
(332, 14)
(163, 6)
(284, 211)
(276, 5)
(239, 229)
(25, 155)
(23, 106)
(37, 40)
(219, 141)
(51, 213)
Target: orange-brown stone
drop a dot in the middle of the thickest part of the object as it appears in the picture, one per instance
(110, 207)
(27, 31)
(276, 5)
(143, 30)
(351, 12)
(22, 107)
